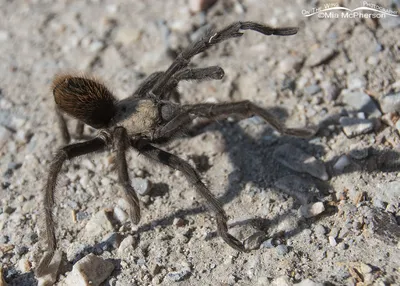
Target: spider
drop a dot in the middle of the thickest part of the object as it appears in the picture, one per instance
(145, 119)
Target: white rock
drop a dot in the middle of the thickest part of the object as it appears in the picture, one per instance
(341, 163)
(99, 224)
(126, 245)
(127, 35)
(120, 215)
(141, 186)
(89, 271)
(24, 265)
(355, 126)
(295, 159)
(332, 240)
(311, 210)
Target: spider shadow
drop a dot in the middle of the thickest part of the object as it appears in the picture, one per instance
(248, 151)
(244, 153)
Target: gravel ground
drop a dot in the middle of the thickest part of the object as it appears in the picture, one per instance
(319, 211)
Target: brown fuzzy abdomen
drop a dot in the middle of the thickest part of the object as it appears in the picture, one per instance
(84, 99)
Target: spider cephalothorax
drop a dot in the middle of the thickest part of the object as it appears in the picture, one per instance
(146, 118)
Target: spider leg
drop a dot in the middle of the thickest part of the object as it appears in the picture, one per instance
(121, 144)
(147, 84)
(209, 110)
(199, 74)
(208, 73)
(62, 125)
(193, 177)
(231, 31)
(65, 153)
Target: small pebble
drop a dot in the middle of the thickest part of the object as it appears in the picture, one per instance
(320, 56)
(178, 222)
(320, 229)
(311, 210)
(312, 89)
(127, 245)
(365, 268)
(99, 224)
(361, 101)
(282, 249)
(141, 186)
(354, 126)
(268, 244)
(120, 215)
(355, 81)
(332, 240)
(23, 265)
(295, 159)
(178, 275)
(390, 102)
(341, 163)
(90, 270)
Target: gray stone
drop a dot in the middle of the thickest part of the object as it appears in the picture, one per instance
(290, 64)
(361, 101)
(90, 270)
(312, 89)
(389, 192)
(98, 225)
(127, 35)
(141, 186)
(320, 56)
(355, 126)
(297, 187)
(268, 244)
(127, 245)
(179, 275)
(295, 159)
(355, 81)
(282, 249)
(331, 90)
(311, 210)
(390, 103)
(341, 163)
(320, 229)
(365, 268)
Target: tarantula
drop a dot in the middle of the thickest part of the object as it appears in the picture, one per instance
(145, 119)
